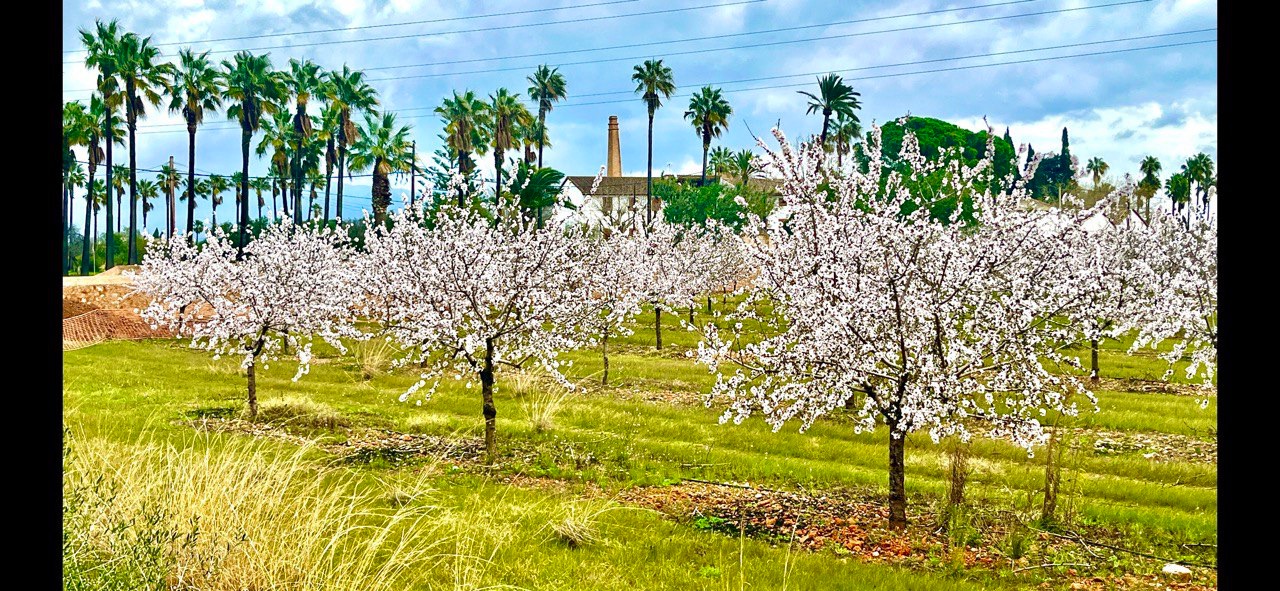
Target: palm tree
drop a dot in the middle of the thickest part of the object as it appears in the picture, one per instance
(237, 180)
(251, 89)
(303, 79)
(145, 81)
(654, 82)
(744, 165)
(195, 91)
(709, 113)
(847, 131)
(349, 94)
(199, 190)
(329, 118)
(313, 178)
(259, 184)
(77, 126)
(147, 190)
(96, 131)
(466, 122)
(384, 147)
(1199, 170)
(74, 179)
(101, 49)
(277, 136)
(834, 96)
(508, 112)
(1097, 167)
(1150, 168)
(217, 185)
(98, 200)
(720, 161)
(546, 86)
(273, 179)
(167, 179)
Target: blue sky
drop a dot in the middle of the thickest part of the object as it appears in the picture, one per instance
(1119, 106)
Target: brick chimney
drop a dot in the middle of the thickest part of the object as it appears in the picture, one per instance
(615, 151)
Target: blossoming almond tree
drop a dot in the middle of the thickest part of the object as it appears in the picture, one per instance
(292, 285)
(468, 296)
(617, 287)
(926, 323)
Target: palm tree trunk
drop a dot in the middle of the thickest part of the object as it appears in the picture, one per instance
(110, 246)
(245, 137)
(86, 249)
(133, 179)
(826, 120)
(328, 182)
(191, 182)
(462, 198)
(95, 241)
(706, 145)
(342, 164)
(648, 177)
(66, 224)
(542, 131)
(497, 171)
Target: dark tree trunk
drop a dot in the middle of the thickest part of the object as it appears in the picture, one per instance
(133, 179)
(604, 353)
(826, 120)
(486, 391)
(1093, 360)
(497, 172)
(462, 196)
(1052, 477)
(86, 253)
(258, 192)
(381, 196)
(709, 305)
(648, 179)
(66, 231)
(328, 179)
(706, 145)
(245, 137)
(897, 481)
(342, 164)
(657, 325)
(191, 181)
(253, 392)
(542, 131)
(110, 246)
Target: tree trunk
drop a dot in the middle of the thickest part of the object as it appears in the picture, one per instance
(342, 164)
(133, 180)
(604, 353)
(86, 253)
(328, 181)
(253, 392)
(66, 230)
(706, 145)
(1093, 360)
(826, 120)
(110, 246)
(490, 412)
(657, 325)
(381, 195)
(1052, 474)
(191, 182)
(542, 131)
(497, 174)
(690, 313)
(245, 137)
(709, 305)
(897, 481)
(648, 181)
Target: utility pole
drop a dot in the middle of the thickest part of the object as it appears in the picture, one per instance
(413, 169)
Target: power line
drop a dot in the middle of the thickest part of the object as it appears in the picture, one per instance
(773, 43)
(854, 69)
(769, 43)
(706, 38)
(484, 29)
(384, 25)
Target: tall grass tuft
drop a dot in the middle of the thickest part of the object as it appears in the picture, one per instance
(540, 401)
(234, 514)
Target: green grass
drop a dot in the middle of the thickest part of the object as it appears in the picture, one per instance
(124, 391)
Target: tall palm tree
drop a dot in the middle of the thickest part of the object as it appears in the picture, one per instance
(98, 200)
(719, 161)
(384, 147)
(101, 53)
(1150, 183)
(75, 179)
(327, 133)
(847, 131)
(547, 86)
(197, 190)
(273, 178)
(314, 179)
(217, 186)
(251, 89)
(709, 113)
(96, 133)
(147, 190)
(237, 180)
(303, 79)
(167, 179)
(194, 90)
(76, 129)
(1097, 167)
(466, 123)
(145, 81)
(259, 184)
(349, 94)
(654, 82)
(1199, 170)
(834, 96)
(507, 113)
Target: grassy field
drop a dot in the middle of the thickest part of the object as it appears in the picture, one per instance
(553, 513)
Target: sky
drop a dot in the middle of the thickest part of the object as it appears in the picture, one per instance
(918, 57)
